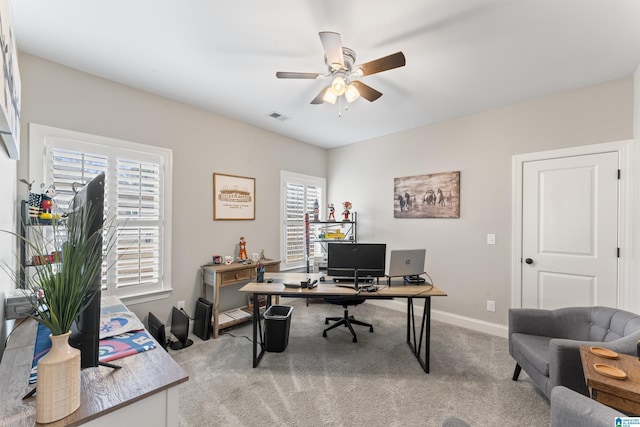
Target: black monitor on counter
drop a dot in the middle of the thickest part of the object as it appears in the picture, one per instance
(180, 329)
(88, 205)
(356, 261)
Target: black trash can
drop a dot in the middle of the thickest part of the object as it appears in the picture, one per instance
(277, 321)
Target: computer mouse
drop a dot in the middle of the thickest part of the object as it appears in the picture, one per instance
(269, 280)
(321, 278)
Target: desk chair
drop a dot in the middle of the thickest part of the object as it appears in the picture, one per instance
(346, 320)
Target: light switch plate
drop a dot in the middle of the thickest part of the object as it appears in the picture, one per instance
(491, 239)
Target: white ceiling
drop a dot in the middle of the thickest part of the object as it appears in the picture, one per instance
(222, 56)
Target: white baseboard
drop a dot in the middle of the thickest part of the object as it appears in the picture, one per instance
(450, 318)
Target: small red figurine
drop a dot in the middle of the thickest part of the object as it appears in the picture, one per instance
(331, 213)
(243, 249)
(346, 205)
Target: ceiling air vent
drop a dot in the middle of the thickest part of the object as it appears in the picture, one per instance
(278, 116)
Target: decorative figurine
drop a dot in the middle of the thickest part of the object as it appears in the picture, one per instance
(260, 272)
(47, 203)
(316, 210)
(332, 211)
(243, 249)
(347, 206)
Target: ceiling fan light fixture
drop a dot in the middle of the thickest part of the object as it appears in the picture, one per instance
(357, 72)
(330, 96)
(351, 93)
(338, 86)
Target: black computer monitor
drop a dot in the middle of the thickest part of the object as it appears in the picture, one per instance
(88, 205)
(180, 329)
(157, 330)
(356, 261)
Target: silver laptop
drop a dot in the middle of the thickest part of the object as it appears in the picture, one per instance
(407, 262)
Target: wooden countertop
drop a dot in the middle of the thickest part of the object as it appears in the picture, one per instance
(103, 390)
(621, 394)
(239, 265)
(328, 288)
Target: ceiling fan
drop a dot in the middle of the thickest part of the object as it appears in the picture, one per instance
(340, 63)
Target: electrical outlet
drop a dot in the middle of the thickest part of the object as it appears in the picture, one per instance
(491, 239)
(491, 305)
(180, 305)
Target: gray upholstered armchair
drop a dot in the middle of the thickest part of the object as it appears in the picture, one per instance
(568, 409)
(546, 343)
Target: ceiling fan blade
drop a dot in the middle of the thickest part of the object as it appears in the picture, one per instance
(320, 98)
(367, 92)
(389, 62)
(294, 75)
(332, 44)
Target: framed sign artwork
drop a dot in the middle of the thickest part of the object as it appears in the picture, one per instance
(234, 197)
(435, 195)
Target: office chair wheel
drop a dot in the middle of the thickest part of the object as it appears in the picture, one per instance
(371, 329)
(324, 334)
(326, 321)
(355, 339)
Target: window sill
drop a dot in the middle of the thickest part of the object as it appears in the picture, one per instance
(145, 297)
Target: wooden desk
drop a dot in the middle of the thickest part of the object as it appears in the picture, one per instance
(221, 275)
(623, 395)
(418, 341)
(144, 391)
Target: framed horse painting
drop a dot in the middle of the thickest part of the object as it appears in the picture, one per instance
(435, 195)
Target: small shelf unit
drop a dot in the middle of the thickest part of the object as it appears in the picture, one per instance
(334, 232)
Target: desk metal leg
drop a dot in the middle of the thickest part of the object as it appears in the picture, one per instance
(258, 336)
(424, 338)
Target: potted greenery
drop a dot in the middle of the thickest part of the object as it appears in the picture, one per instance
(59, 290)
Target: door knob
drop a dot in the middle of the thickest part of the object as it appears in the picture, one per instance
(528, 261)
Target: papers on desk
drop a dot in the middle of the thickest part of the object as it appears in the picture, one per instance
(116, 319)
(232, 315)
(238, 314)
(223, 318)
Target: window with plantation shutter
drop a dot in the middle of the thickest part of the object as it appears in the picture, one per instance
(299, 195)
(138, 218)
(137, 203)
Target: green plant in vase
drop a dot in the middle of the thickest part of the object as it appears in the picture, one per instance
(62, 288)
(69, 260)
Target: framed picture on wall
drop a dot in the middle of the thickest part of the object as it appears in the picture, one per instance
(11, 86)
(435, 195)
(234, 197)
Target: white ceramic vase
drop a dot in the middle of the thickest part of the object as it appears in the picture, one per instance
(58, 386)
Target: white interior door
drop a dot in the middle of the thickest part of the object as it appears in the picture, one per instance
(569, 231)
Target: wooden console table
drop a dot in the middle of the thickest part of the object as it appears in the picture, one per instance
(144, 391)
(222, 275)
(621, 394)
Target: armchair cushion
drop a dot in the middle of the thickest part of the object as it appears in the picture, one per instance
(569, 409)
(546, 343)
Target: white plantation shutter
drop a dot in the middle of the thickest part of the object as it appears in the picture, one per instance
(138, 213)
(137, 202)
(299, 195)
(294, 210)
(69, 167)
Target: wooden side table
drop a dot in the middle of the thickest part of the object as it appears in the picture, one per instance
(621, 394)
(222, 275)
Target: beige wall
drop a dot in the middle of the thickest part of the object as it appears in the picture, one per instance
(481, 146)
(202, 143)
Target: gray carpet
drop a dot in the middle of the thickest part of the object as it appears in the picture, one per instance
(335, 382)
